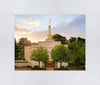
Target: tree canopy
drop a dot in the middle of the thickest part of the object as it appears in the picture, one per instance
(24, 42)
(58, 37)
(19, 47)
(21, 55)
(72, 39)
(39, 54)
(77, 51)
(59, 54)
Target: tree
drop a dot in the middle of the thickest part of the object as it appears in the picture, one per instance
(58, 37)
(80, 57)
(81, 39)
(39, 54)
(21, 54)
(59, 54)
(72, 39)
(77, 51)
(17, 50)
(24, 42)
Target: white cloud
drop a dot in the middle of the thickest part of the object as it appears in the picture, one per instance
(33, 37)
(29, 24)
(21, 29)
(31, 21)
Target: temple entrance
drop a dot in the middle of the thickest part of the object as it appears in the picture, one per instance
(50, 64)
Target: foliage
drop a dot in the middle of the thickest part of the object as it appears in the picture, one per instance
(76, 51)
(59, 54)
(19, 46)
(58, 37)
(24, 42)
(21, 55)
(36, 67)
(39, 54)
(72, 39)
(71, 68)
(17, 50)
(28, 66)
(75, 67)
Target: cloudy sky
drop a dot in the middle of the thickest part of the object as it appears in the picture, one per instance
(35, 27)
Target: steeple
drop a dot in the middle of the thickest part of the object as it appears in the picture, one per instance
(49, 21)
(49, 30)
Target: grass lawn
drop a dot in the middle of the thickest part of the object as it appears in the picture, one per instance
(71, 68)
(76, 68)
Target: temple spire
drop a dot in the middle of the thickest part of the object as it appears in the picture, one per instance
(49, 30)
(49, 21)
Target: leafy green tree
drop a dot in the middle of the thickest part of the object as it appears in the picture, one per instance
(77, 51)
(81, 39)
(59, 54)
(80, 57)
(70, 56)
(58, 37)
(40, 54)
(21, 54)
(72, 39)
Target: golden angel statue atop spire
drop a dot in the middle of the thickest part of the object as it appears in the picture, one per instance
(49, 21)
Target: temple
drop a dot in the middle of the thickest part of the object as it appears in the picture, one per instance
(49, 43)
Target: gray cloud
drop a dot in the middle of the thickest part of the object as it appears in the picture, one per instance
(76, 27)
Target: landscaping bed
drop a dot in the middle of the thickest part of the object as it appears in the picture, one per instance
(29, 68)
(21, 61)
(71, 68)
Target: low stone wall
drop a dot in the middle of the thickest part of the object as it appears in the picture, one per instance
(63, 64)
(21, 64)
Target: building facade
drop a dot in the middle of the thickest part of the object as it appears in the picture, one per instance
(49, 43)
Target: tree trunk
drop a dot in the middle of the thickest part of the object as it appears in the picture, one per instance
(60, 64)
(68, 59)
(39, 64)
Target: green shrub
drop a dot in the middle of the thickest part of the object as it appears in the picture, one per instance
(62, 67)
(16, 58)
(72, 64)
(76, 67)
(29, 66)
(35, 67)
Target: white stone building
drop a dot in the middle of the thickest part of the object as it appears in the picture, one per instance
(49, 43)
